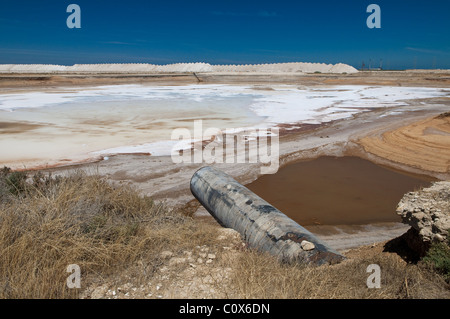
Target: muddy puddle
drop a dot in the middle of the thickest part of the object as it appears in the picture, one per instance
(337, 191)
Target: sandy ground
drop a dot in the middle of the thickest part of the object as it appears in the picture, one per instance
(160, 178)
(424, 144)
(424, 78)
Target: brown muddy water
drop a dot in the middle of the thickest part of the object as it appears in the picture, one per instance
(337, 191)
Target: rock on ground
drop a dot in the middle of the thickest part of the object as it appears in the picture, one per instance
(428, 213)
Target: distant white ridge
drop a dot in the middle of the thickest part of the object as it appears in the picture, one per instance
(295, 67)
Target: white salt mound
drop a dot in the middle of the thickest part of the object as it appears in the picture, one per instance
(296, 67)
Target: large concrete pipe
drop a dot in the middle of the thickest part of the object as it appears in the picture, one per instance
(263, 226)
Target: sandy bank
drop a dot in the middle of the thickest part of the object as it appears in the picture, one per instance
(424, 144)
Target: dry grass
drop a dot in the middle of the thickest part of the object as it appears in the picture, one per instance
(83, 220)
(261, 276)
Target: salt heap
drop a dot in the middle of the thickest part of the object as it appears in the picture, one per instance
(296, 67)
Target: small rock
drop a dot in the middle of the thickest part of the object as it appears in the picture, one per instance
(211, 256)
(127, 286)
(100, 292)
(306, 245)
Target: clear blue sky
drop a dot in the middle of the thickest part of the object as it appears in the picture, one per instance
(413, 33)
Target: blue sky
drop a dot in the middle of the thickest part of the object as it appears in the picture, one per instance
(413, 33)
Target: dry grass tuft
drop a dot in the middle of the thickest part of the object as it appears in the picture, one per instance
(261, 276)
(51, 223)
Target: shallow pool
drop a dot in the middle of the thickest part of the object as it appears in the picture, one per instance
(337, 191)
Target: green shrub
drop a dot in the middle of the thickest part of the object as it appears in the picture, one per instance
(12, 182)
(438, 257)
(17, 182)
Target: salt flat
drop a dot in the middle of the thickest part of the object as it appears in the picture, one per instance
(75, 124)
